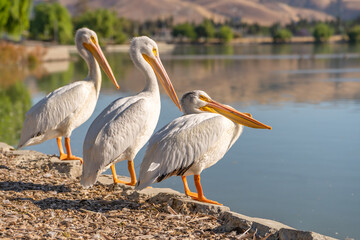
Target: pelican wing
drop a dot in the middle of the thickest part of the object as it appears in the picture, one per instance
(176, 147)
(52, 110)
(111, 134)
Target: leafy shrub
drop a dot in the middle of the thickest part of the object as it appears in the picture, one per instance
(281, 36)
(14, 16)
(354, 34)
(205, 30)
(322, 32)
(102, 21)
(225, 34)
(51, 21)
(184, 30)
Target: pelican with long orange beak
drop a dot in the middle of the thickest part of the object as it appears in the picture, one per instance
(123, 127)
(193, 142)
(66, 108)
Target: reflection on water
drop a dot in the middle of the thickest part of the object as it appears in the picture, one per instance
(50, 82)
(287, 49)
(317, 71)
(305, 172)
(243, 74)
(15, 101)
(245, 79)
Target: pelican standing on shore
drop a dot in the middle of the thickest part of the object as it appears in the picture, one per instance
(66, 108)
(193, 142)
(123, 128)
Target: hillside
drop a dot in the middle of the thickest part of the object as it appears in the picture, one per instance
(142, 10)
(264, 12)
(347, 9)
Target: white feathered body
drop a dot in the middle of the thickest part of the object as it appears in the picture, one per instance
(119, 132)
(59, 113)
(187, 146)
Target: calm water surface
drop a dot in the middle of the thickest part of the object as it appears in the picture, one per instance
(305, 172)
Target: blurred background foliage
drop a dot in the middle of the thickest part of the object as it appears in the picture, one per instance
(51, 22)
(15, 101)
(14, 16)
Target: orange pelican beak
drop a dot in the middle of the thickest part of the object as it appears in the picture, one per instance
(95, 50)
(160, 72)
(232, 114)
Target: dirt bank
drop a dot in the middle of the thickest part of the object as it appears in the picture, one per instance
(41, 198)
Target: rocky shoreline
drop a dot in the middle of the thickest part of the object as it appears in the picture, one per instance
(41, 198)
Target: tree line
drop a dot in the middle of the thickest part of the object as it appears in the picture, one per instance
(51, 21)
(320, 31)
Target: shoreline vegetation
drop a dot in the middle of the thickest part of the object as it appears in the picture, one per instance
(41, 198)
(54, 52)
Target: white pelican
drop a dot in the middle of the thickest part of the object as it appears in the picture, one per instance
(66, 108)
(193, 142)
(124, 126)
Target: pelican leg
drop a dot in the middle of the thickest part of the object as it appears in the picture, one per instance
(62, 153)
(116, 180)
(69, 156)
(201, 196)
(132, 174)
(187, 189)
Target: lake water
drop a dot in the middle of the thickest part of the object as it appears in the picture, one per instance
(304, 173)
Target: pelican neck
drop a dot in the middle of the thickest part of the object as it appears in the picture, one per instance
(94, 72)
(151, 84)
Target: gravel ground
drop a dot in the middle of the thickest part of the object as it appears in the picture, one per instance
(38, 202)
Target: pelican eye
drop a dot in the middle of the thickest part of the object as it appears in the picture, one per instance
(92, 38)
(155, 52)
(203, 98)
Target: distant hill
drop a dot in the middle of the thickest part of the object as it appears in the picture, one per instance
(264, 12)
(142, 10)
(347, 9)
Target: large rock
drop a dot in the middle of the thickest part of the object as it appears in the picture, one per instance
(71, 169)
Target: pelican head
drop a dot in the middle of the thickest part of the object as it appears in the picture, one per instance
(199, 101)
(144, 53)
(88, 45)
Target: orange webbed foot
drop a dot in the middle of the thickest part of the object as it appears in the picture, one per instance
(191, 194)
(124, 182)
(71, 157)
(204, 199)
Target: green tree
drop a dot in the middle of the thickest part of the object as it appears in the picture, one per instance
(127, 26)
(123, 29)
(255, 29)
(281, 35)
(225, 34)
(322, 32)
(354, 34)
(102, 21)
(51, 22)
(14, 16)
(184, 30)
(205, 30)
